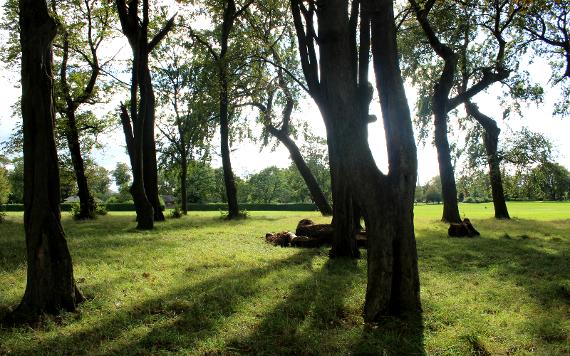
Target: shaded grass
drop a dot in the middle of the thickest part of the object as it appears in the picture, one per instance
(201, 285)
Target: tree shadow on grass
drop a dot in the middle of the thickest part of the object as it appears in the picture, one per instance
(519, 259)
(318, 316)
(180, 317)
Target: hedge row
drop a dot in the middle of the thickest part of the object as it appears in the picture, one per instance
(191, 207)
(254, 207)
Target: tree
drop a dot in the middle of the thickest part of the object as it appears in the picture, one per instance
(183, 92)
(228, 62)
(50, 284)
(138, 124)
(386, 200)
(122, 179)
(79, 43)
(547, 25)
(5, 187)
(450, 30)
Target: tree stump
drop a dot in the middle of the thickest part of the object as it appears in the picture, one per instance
(465, 229)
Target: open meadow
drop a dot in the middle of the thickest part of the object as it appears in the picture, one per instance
(202, 285)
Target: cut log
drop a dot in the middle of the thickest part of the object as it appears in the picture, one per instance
(464, 229)
(282, 238)
(322, 232)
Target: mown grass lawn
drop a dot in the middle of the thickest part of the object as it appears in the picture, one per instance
(201, 285)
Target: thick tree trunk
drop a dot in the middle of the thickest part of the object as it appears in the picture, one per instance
(50, 284)
(491, 142)
(183, 182)
(393, 286)
(229, 181)
(315, 190)
(86, 201)
(344, 231)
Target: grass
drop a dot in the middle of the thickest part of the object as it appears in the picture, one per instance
(202, 285)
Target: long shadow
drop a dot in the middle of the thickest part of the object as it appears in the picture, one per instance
(539, 265)
(188, 315)
(318, 316)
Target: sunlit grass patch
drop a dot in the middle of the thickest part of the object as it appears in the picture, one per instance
(202, 285)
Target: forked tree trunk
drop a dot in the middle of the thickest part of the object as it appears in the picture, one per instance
(315, 190)
(229, 180)
(50, 284)
(491, 142)
(393, 278)
(86, 201)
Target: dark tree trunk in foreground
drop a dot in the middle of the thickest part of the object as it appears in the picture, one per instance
(491, 142)
(315, 190)
(344, 238)
(386, 201)
(393, 278)
(138, 125)
(50, 284)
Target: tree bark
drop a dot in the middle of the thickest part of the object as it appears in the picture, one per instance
(50, 283)
(316, 192)
(393, 277)
(446, 172)
(229, 181)
(183, 183)
(86, 201)
(150, 167)
(344, 238)
(491, 142)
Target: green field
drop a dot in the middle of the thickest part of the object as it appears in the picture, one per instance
(201, 285)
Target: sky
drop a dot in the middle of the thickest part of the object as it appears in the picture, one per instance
(247, 157)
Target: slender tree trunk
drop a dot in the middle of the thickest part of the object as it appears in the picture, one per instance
(229, 181)
(150, 167)
(183, 183)
(86, 201)
(50, 284)
(491, 142)
(316, 192)
(446, 173)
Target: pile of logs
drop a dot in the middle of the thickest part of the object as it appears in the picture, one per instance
(309, 234)
(464, 229)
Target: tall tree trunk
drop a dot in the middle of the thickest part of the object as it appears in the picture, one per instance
(183, 183)
(315, 190)
(50, 284)
(150, 167)
(229, 181)
(491, 142)
(446, 173)
(393, 278)
(86, 201)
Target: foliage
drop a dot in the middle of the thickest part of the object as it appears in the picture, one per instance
(175, 213)
(5, 187)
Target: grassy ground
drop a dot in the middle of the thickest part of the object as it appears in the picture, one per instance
(200, 285)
